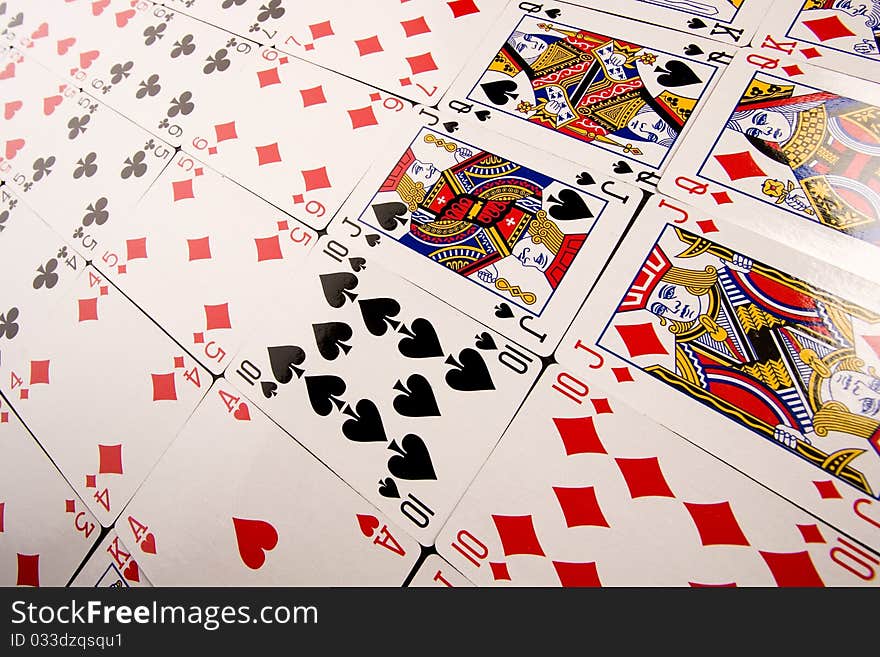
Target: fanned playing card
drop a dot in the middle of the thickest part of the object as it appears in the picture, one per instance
(45, 529)
(789, 151)
(589, 86)
(253, 508)
(765, 358)
(585, 491)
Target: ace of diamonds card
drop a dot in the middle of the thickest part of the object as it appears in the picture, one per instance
(789, 151)
(763, 357)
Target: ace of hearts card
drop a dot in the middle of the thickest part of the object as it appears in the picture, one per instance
(505, 233)
(589, 87)
(761, 356)
(583, 491)
(789, 151)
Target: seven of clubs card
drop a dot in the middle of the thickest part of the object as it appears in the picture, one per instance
(589, 86)
(507, 234)
(390, 387)
(793, 155)
(765, 359)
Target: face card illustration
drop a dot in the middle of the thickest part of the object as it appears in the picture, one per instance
(728, 21)
(378, 379)
(295, 134)
(187, 235)
(259, 511)
(104, 390)
(38, 268)
(111, 565)
(840, 35)
(435, 571)
(413, 49)
(45, 529)
(584, 491)
(589, 82)
(728, 341)
(793, 156)
(506, 234)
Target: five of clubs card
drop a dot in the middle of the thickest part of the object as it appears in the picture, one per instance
(440, 294)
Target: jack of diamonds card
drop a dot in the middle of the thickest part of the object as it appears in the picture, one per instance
(589, 87)
(190, 261)
(295, 134)
(765, 358)
(259, 510)
(583, 491)
(509, 235)
(45, 529)
(104, 390)
(729, 21)
(840, 35)
(792, 154)
(400, 394)
(111, 565)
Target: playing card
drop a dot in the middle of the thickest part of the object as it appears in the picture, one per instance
(163, 75)
(38, 268)
(589, 86)
(296, 134)
(76, 163)
(195, 266)
(765, 358)
(258, 20)
(730, 21)
(110, 566)
(789, 151)
(45, 529)
(507, 234)
(257, 510)
(840, 35)
(413, 49)
(585, 491)
(104, 390)
(436, 571)
(399, 394)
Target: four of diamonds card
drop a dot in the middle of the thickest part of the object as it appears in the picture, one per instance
(440, 293)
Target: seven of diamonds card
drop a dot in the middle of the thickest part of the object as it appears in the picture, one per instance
(789, 151)
(763, 357)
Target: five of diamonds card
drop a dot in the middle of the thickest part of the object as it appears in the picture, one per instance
(440, 293)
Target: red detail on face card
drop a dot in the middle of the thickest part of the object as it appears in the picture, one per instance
(810, 53)
(579, 435)
(28, 570)
(793, 70)
(88, 309)
(315, 178)
(268, 248)
(136, 249)
(182, 189)
(644, 477)
(415, 26)
(368, 46)
(641, 339)
(721, 198)
(740, 165)
(828, 28)
(313, 96)
(577, 574)
(716, 524)
(163, 387)
(580, 507)
(421, 63)
(622, 374)
(517, 534)
(707, 226)
(362, 117)
(268, 154)
(109, 459)
(827, 490)
(199, 248)
(792, 569)
(217, 317)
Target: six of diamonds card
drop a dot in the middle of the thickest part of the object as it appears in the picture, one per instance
(442, 293)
